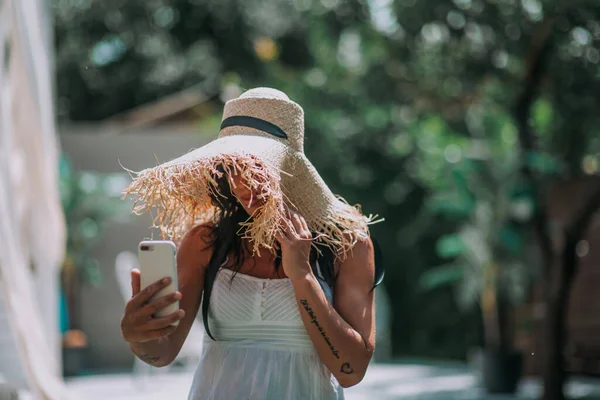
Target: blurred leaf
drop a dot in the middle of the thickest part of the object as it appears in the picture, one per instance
(512, 239)
(433, 125)
(450, 204)
(449, 246)
(468, 291)
(401, 145)
(90, 201)
(542, 115)
(460, 178)
(89, 228)
(478, 251)
(376, 117)
(544, 163)
(92, 273)
(522, 209)
(443, 275)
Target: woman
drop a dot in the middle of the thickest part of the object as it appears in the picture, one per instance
(284, 269)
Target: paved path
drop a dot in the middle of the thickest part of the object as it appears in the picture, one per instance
(383, 382)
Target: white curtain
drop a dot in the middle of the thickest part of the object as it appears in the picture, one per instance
(32, 231)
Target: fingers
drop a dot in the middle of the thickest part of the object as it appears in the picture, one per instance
(164, 322)
(135, 281)
(293, 227)
(145, 295)
(305, 225)
(159, 333)
(296, 223)
(300, 226)
(287, 229)
(282, 239)
(158, 304)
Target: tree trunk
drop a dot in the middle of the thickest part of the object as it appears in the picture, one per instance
(562, 277)
(557, 298)
(553, 373)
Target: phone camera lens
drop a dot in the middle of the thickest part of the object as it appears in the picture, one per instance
(145, 248)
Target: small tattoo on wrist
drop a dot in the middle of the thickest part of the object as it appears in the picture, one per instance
(346, 369)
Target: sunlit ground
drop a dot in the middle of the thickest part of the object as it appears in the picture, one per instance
(383, 382)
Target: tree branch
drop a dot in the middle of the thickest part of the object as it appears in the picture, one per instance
(540, 47)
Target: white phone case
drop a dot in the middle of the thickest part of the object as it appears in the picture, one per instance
(158, 260)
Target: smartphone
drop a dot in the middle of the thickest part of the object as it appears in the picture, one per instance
(158, 260)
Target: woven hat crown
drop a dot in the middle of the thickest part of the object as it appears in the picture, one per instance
(264, 93)
(262, 138)
(272, 106)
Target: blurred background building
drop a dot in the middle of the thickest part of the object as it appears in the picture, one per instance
(103, 148)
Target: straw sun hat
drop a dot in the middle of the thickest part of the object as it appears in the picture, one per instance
(261, 137)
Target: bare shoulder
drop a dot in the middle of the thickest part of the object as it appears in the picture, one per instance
(353, 295)
(196, 246)
(359, 263)
(362, 248)
(199, 234)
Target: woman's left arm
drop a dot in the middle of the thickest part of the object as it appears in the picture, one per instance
(343, 333)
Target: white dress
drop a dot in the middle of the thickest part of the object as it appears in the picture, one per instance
(263, 351)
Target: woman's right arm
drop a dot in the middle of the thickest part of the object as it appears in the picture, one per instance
(153, 340)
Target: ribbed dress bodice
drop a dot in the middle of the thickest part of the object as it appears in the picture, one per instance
(262, 349)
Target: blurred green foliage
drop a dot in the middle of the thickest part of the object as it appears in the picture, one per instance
(488, 252)
(90, 201)
(410, 110)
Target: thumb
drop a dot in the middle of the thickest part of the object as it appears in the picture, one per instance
(135, 281)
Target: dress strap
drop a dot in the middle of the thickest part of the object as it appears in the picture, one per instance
(224, 263)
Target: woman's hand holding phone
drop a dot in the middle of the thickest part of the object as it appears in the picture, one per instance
(138, 324)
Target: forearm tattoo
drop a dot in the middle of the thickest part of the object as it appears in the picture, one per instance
(313, 320)
(149, 359)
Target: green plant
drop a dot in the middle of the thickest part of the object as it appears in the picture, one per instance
(90, 201)
(489, 262)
